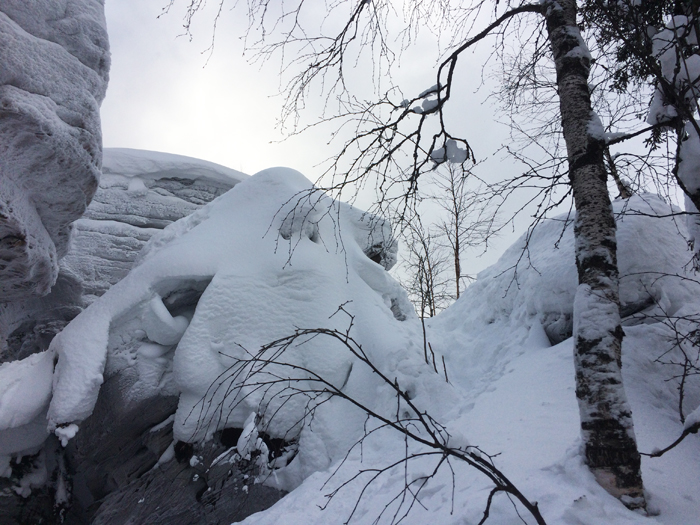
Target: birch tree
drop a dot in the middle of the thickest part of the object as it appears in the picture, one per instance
(606, 418)
(398, 138)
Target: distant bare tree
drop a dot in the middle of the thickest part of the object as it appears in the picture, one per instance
(425, 269)
(468, 219)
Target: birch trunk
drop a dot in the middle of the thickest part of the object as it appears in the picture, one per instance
(606, 418)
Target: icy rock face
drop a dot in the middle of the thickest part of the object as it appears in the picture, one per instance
(54, 63)
(205, 487)
(28, 326)
(141, 192)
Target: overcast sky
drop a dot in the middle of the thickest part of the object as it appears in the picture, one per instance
(163, 95)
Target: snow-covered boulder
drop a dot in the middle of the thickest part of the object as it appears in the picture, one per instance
(54, 63)
(267, 256)
(537, 276)
(270, 255)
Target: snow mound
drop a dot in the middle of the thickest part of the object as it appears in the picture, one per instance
(271, 255)
(537, 276)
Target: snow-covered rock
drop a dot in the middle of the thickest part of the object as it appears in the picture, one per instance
(537, 277)
(273, 248)
(28, 326)
(140, 193)
(269, 255)
(54, 63)
(204, 488)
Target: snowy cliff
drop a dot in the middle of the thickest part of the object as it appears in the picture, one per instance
(140, 193)
(54, 63)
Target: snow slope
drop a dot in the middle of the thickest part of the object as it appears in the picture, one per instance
(512, 394)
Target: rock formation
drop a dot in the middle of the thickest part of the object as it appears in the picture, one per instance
(139, 194)
(54, 63)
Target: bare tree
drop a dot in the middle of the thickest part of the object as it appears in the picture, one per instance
(468, 220)
(430, 253)
(424, 270)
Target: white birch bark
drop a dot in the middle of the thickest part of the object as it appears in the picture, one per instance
(606, 417)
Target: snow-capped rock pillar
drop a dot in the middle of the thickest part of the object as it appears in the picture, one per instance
(54, 63)
(606, 418)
